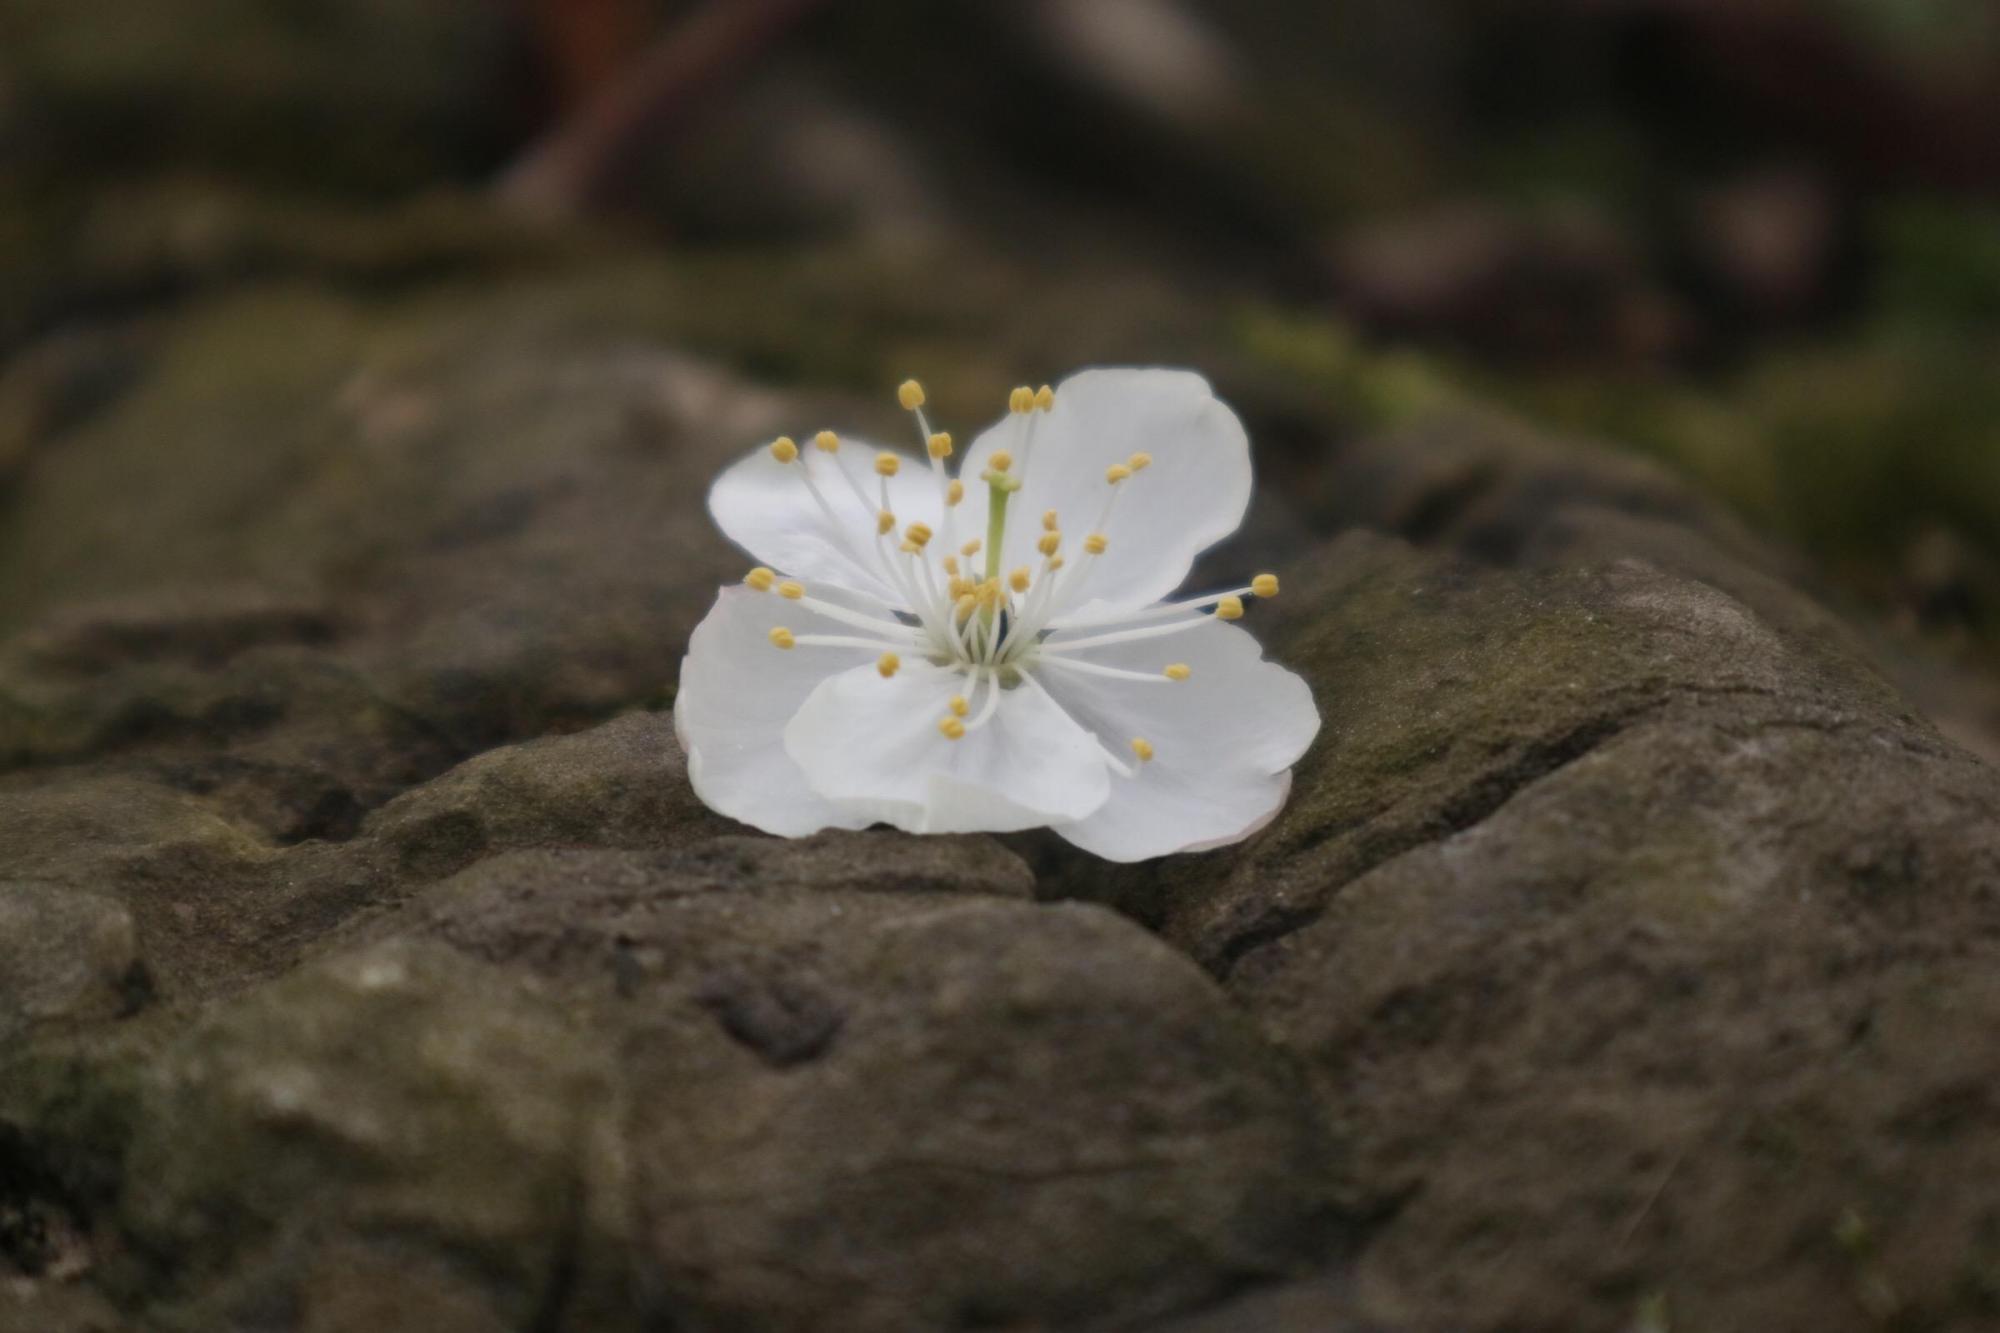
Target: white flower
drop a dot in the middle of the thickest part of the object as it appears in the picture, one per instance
(991, 652)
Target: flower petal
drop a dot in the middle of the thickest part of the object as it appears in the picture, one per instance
(1192, 495)
(737, 692)
(1222, 740)
(766, 508)
(873, 745)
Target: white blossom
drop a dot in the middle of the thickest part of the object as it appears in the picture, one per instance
(988, 648)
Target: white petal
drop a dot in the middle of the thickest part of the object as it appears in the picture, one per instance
(1222, 740)
(766, 508)
(873, 745)
(736, 694)
(1192, 496)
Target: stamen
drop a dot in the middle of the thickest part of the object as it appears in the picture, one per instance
(1045, 398)
(1139, 462)
(885, 523)
(888, 664)
(1229, 608)
(1108, 672)
(1164, 612)
(965, 606)
(970, 549)
(887, 464)
(1265, 585)
(784, 450)
(834, 641)
(919, 534)
(760, 578)
(959, 706)
(827, 442)
(791, 591)
(953, 729)
(911, 395)
(1000, 460)
(954, 492)
(1049, 522)
(992, 704)
(1116, 473)
(1178, 671)
(1123, 635)
(939, 445)
(860, 620)
(1021, 399)
(1049, 542)
(1143, 748)
(781, 637)
(1018, 580)
(1095, 543)
(951, 565)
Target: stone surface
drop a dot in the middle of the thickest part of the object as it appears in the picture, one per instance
(1623, 955)
(66, 956)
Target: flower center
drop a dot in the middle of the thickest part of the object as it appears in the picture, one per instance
(954, 607)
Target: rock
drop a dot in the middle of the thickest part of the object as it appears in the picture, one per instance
(881, 1108)
(1598, 917)
(618, 785)
(66, 956)
(1622, 956)
(399, 1131)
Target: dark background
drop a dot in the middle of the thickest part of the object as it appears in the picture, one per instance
(1758, 240)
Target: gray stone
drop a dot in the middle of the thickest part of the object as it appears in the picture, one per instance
(66, 956)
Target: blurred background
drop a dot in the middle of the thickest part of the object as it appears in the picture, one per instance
(1757, 240)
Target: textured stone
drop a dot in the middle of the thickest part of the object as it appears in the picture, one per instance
(66, 956)
(855, 1103)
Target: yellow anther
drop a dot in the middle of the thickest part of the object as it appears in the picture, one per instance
(784, 450)
(951, 565)
(989, 592)
(1045, 398)
(827, 442)
(760, 578)
(1021, 399)
(1178, 671)
(958, 587)
(1142, 747)
(1048, 542)
(782, 637)
(1000, 460)
(1049, 521)
(1055, 563)
(911, 395)
(953, 729)
(1265, 585)
(920, 533)
(888, 664)
(954, 492)
(1139, 462)
(965, 606)
(1116, 473)
(960, 706)
(886, 464)
(970, 549)
(1095, 543)
(940, 445)
(909, 548)
(1229, 608)
(885, 523)
(1018, 580)
(791, 591)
